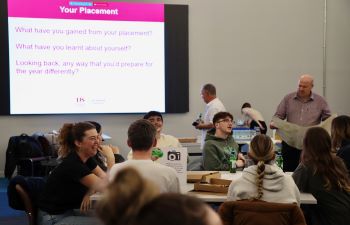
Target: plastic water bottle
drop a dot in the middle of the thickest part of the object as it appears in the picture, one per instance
(257, 130)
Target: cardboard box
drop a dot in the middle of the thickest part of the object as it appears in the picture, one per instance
(215, 185)
(203, 177)
(187, 140)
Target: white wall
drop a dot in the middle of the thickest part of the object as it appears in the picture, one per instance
(252, 50)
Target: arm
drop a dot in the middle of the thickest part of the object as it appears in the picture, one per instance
(204, 126)
(92, 182)
(281, 112)
(326, 112)
(108, 152)
(300, 176)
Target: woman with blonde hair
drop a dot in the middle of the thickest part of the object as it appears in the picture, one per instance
(264, 180)
(132, 200)
(324, 175)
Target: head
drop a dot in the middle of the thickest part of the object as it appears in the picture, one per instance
(261, 152)
(98, 129)
(208, 93)
(317, 154)
(223, 123)
(245, 105)
(156, 119)
(306, 83)
(81, 137)
(316, 146)
(124, 197)
(141, 135)
(177, 209)
(261, 149)
(340, 130)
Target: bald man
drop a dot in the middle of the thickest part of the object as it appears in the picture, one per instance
(304, 108)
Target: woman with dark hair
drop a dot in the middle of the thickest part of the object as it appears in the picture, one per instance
(264, 180)
(132, 200)
(324, 175)
(107, 155)
(341, 138)
(71, 183)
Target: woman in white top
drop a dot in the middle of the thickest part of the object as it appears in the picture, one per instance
(264, 180)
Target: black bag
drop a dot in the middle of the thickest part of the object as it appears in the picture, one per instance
(20, 148)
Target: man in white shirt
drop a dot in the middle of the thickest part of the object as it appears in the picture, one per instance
(214, 105)
(142, 139)
(163, 140)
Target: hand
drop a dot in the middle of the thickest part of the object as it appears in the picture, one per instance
(115, 149)
(85, 204)
(272, 126)
(241, 157)
(239, 163)
(154, 158)
(107, 151)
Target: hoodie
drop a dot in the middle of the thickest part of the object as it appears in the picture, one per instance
(277, 186)
(217, 151)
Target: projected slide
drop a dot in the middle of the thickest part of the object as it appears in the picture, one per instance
(85, 57)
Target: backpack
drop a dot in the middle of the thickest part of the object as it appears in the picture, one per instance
(19, 148)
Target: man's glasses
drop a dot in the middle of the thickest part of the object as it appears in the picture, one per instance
(226, 121)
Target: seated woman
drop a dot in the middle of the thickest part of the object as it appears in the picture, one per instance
(324, 175)
(107, 155)
(264, 180)
(341, 138)
(132, 200)
(71, 183)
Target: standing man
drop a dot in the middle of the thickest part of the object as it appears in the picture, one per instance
(303, 108)
(214, 105)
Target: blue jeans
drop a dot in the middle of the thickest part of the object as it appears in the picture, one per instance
(70, 217)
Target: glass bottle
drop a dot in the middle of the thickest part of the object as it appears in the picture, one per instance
(232, 161)
(279, 161)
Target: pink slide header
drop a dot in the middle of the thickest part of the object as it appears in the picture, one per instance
(86, 10)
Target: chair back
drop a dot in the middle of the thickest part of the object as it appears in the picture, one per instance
(248, 212)
(23, 193)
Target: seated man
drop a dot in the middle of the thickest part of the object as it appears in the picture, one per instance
(219, 144)
(163, 140)
(142, 139)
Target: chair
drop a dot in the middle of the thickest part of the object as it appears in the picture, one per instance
(23, 193)
(248, 212)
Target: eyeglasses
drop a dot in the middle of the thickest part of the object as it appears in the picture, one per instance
(226, 121)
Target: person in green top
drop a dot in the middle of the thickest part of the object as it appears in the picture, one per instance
(219, 144)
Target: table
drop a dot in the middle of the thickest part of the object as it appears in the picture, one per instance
(305, 198)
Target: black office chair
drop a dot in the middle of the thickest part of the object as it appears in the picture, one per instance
(23, 193)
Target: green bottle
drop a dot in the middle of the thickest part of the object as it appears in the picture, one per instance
(279, 161)
(233, 159)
